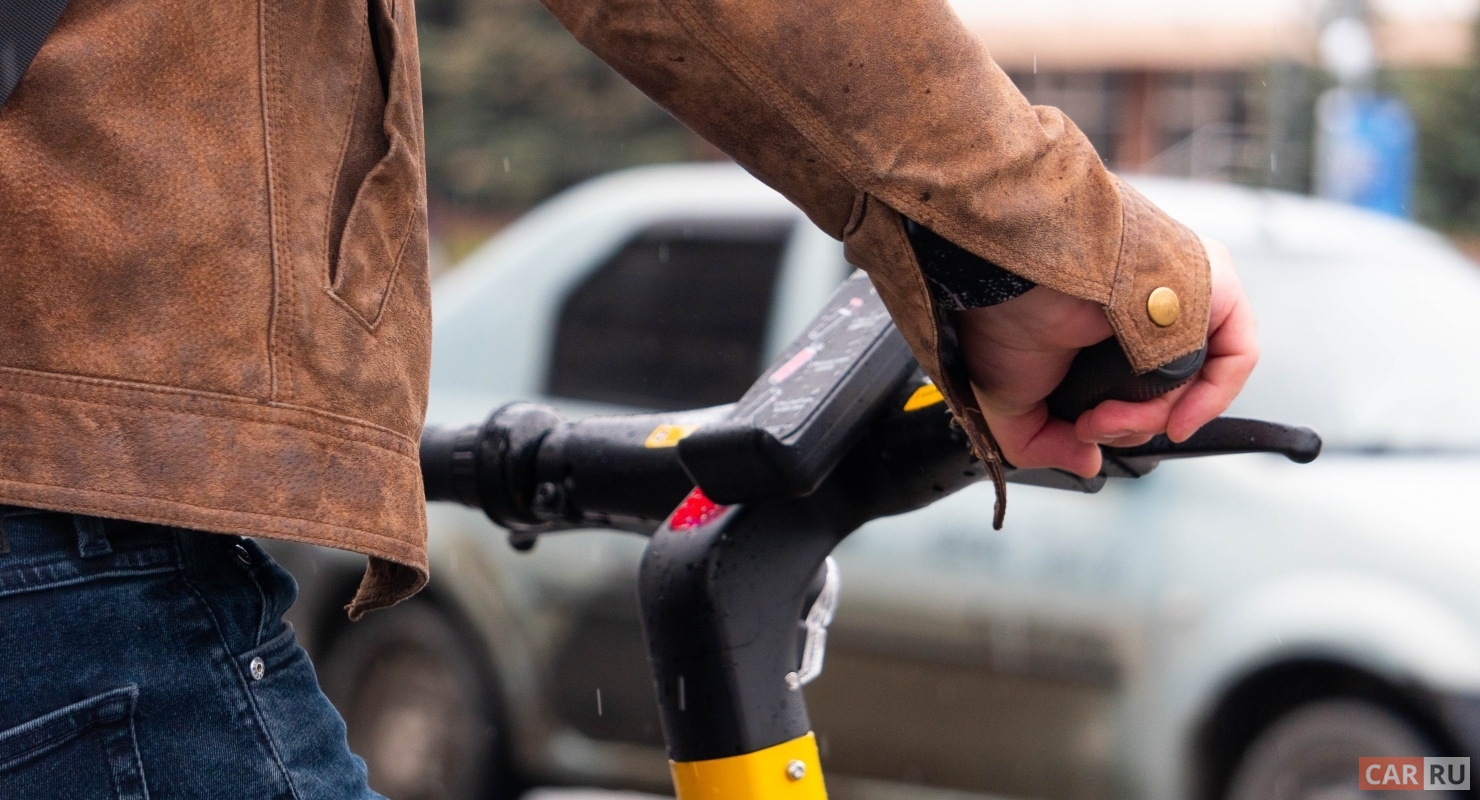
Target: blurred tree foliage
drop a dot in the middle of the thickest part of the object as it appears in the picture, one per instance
(517, 110)
(1446, 107)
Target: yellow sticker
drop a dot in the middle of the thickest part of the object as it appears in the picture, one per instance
(668, 435)
(924, 397)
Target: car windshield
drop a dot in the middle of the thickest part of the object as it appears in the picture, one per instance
(1376, 350)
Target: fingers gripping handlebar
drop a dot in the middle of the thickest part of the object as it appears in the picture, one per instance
(1102, 372)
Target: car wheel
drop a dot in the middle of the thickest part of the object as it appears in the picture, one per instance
(417, 707)
(1311, 753)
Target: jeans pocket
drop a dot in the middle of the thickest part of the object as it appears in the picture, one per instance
(84, 750)
(306, 733)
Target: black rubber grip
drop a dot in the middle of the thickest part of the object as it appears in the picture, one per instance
(1101, 373)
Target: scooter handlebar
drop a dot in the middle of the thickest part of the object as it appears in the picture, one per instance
(1102, 372)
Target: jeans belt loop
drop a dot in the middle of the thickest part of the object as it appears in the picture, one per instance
(7, 511)
(92, 540)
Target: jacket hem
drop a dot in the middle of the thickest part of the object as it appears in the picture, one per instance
(109, 391)
(234, 468)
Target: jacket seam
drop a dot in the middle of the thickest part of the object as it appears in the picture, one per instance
(325, 431)
(734, 60)
(286, 287)
(180, 522)
(178, 412)
(279, 346)
(263, 82)
(1129, 244)
(835, 150)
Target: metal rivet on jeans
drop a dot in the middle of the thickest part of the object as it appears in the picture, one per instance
(257, 668)
(242, 555)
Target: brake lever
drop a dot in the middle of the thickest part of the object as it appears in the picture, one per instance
(1102, 372)
(1228, 436)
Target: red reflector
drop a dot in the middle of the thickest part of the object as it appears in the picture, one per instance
(695, 511)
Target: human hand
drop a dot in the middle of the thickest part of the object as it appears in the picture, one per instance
(1017, 353)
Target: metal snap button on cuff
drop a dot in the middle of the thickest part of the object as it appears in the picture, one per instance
(1163, 306)
(257, 668)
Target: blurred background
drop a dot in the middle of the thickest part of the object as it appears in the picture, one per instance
(1225, 629)
(1220, 89)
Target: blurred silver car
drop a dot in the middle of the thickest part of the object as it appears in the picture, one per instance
(1225, 628)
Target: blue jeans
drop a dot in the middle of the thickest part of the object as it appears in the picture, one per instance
(142, 661)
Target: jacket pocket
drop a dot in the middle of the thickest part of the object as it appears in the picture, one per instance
(389, 202)
(87, 747)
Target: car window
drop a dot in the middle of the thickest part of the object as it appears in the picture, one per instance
(676, 318)
(1375, 353)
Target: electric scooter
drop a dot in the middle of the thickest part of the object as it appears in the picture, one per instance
(743, 504)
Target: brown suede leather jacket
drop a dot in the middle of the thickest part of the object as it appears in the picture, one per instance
(213, 287)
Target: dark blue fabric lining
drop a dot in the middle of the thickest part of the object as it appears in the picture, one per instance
(959, 279)
(24, 26)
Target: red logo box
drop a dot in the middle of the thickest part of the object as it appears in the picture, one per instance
(1396, 772)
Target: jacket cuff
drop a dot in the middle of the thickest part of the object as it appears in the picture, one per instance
(1159, 300)
(875, 240)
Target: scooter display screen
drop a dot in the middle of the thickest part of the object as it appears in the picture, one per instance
(816, 367)
(798, 420)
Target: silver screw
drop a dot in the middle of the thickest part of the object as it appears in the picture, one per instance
(796, 770)
(257, 668)
(793, 681)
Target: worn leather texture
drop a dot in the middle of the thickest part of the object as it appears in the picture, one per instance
(860, 111)
(214, 302)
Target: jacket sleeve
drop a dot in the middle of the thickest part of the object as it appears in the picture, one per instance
(864, 111)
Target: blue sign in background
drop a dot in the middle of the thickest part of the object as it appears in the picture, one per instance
(1366, 151)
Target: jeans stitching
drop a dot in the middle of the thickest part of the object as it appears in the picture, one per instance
(6, 591)
(267, 729)
(125, 767)
(133, 738)
(98, 711)
(62, 572)
(269, 743)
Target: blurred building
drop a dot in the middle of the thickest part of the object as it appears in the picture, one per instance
(1218, 89)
